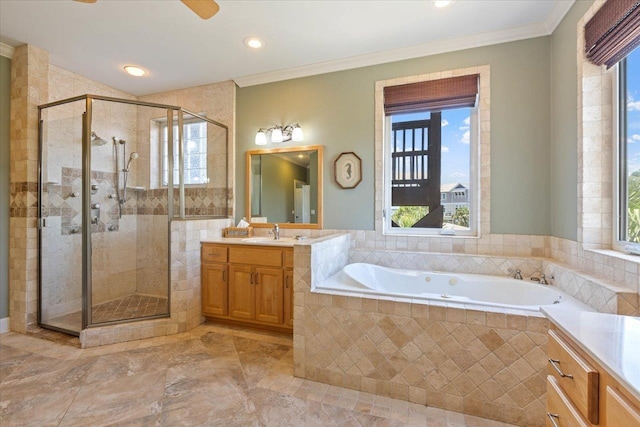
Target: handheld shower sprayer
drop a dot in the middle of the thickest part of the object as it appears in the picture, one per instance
(132, 157)
(122, 194)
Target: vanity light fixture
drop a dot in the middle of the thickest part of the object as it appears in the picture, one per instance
(280, 134)
(135, 71)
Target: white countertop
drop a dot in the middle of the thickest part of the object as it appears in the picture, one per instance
(269, 240)
(613, 341)
(256, 240)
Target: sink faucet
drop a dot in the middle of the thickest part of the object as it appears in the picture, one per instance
(275, 232)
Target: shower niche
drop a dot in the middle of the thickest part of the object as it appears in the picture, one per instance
(108, 192)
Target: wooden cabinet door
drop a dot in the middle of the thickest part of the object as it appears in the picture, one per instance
(269, 295)
(288, 298)
(241, 292)
(214, 289)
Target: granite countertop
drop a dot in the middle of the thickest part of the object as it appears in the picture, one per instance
(613, 341)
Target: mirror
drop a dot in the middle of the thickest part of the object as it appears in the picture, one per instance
(284, 186)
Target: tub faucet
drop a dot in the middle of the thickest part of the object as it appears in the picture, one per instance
(516, 273)
(543, 279)
(275, 232)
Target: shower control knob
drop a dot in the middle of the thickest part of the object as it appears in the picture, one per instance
(95, 187)
(75, 194)
(95, 205)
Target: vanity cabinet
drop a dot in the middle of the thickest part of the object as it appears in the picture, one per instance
(248, 285)
(580, 392)
(256, 293)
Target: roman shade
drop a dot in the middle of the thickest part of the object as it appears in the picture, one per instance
(613, 32)
(432, 95)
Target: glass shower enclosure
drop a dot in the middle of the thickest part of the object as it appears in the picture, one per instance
(108, 191)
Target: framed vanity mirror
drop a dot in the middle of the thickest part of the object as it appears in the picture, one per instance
(284, 186)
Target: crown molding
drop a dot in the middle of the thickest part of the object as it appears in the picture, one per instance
(560, 9)
(6, 50)
(440, 46)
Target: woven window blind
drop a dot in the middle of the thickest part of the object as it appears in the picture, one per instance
(433, 95)
(613, 32)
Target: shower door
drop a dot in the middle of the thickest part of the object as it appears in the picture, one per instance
(60, 217)
(129, 276)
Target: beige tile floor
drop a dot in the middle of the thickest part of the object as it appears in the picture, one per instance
(211, 376)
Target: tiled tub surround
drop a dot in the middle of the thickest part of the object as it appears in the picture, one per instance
(595, 278)
(486, 362)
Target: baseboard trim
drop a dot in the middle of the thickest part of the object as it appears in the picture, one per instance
(4, 325)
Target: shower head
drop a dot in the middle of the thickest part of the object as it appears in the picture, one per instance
(96, 141)
(132, 157)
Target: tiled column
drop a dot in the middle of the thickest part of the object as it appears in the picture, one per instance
(29, 88)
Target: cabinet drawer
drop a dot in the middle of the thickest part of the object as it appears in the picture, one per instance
(620, 411)
(271, 257)
(575, 376)
(288, 258)
(560, 410)
(212, 253)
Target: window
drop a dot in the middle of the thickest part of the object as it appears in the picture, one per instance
(429, 149)
(629, 148)
(195, 153)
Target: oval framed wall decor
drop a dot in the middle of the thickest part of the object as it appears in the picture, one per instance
(347, 170)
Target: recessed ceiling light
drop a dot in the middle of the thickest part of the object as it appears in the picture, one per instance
(135, 71)
(253, 42)
(442, 3)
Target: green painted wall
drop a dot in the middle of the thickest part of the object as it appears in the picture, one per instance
(564, 125)
(277, 191)
(337, 111)
(5, 102)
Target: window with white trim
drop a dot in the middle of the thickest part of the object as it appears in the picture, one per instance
(195, 152)
(629, 148)
(429, 149)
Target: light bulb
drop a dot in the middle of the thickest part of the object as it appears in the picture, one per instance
(297, 134)
(261, 138)
(276, 135)
(442, 3)
(135, 71)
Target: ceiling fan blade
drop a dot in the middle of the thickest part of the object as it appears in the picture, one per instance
(86, 1)
(205, 9)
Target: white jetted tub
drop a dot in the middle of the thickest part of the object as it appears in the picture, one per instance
(483, 290)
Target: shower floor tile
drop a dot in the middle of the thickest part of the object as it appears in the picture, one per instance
(129, 307)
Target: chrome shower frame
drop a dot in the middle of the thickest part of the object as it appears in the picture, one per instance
(172, 111)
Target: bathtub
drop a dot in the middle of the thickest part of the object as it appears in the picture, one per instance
(469, 289)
